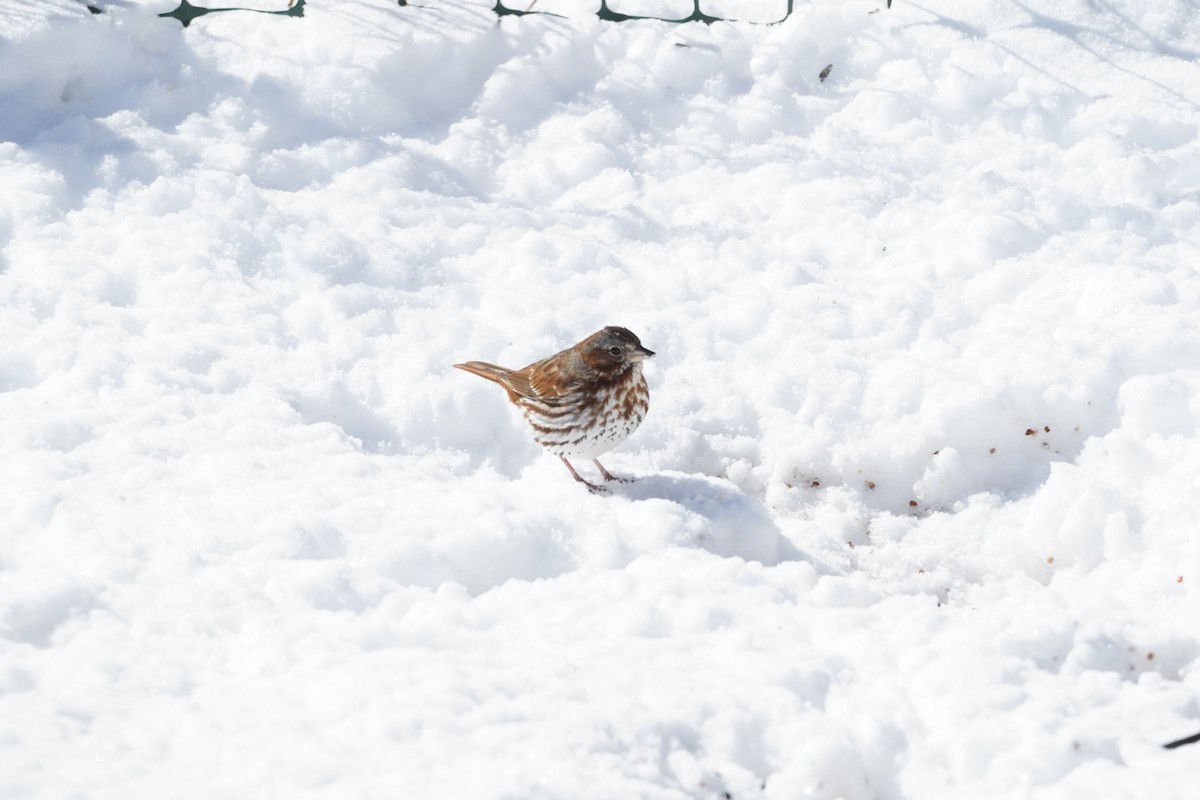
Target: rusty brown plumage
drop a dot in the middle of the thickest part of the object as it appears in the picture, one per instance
(582, 401)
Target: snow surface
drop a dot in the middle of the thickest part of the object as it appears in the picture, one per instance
(916, 503)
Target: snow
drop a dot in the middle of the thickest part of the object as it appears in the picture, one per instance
(915, 505)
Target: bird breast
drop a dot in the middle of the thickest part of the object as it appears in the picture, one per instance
(593, 419)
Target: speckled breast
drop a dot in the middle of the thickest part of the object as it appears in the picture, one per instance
(595, 423)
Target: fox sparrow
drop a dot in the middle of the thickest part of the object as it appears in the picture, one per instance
(583, 401)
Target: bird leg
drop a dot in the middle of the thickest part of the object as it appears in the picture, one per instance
(608, 476)
(592, 487)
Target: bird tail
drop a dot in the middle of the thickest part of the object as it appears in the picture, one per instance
(486, 370)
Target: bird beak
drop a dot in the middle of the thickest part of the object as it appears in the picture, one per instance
(641, 353)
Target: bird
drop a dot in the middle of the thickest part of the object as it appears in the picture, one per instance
(583, 401)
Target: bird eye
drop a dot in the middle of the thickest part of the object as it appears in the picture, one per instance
(616, 351)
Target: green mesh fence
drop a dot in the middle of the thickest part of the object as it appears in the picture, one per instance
(187, 12)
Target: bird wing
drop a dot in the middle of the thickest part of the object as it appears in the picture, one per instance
(543, 381)
(519, 383)
(532, 383)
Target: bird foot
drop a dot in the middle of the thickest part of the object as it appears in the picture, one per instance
(608, 476)
(594, 488)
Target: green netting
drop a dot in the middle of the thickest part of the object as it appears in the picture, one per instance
(186, 12)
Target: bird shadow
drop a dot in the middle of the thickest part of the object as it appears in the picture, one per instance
(722, 518)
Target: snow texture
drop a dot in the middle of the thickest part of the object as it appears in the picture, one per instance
(915, 510)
